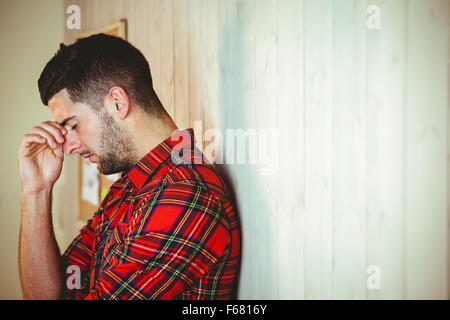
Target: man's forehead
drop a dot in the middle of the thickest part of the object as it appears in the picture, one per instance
(61, 106)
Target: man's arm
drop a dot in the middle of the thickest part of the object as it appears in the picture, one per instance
(40, 163)
(39, 256)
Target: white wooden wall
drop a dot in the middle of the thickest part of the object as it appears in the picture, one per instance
(363, 126)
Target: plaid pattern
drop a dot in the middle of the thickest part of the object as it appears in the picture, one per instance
(165, 230)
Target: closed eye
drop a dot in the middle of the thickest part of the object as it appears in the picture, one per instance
(74, 126)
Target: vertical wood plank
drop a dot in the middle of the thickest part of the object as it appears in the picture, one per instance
(195, 74)
(385, 154)
(210, 64)
(318, 120)
(131, 23)
(243, 71)
(266, 118)
(349, 150)
(167, 57)
(181, 65)
(237, 109)
(427, 96)
(148, 11)
(291, 197)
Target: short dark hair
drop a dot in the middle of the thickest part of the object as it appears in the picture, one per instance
(91, 66)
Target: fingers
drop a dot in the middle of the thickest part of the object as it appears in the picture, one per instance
(28, 143)
(30, 138)
(56, 129)
(52, 132)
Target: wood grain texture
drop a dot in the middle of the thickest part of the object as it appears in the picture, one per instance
(385, 212)
(318, 138)
(266, 118)
(291, 123)
(426, 217)
(181, 63)
(349, 149)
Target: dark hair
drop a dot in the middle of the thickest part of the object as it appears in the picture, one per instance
(91, 66)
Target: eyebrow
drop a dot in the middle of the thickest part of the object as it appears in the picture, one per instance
(63, 123)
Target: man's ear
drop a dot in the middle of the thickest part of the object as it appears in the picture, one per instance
(119, 101)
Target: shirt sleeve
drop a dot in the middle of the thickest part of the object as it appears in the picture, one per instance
(178, 236)
(75, 264)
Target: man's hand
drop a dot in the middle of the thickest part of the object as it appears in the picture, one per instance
(41, 156)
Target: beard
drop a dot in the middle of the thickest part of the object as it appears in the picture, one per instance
(117, 150)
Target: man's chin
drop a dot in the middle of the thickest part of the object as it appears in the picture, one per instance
(107, 171)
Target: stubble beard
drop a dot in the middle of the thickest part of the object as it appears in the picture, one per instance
(117, 150)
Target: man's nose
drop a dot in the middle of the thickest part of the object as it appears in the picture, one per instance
(71, 143)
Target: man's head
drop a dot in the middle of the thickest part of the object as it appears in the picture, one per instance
(90, 67)
(91, 87)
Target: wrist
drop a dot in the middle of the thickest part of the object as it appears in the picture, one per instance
(32, 193)
(35, 203)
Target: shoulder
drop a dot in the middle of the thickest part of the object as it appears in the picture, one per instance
(187, 188)
(187, 176)
(200, 174)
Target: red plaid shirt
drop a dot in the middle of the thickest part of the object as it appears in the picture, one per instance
(165, 230)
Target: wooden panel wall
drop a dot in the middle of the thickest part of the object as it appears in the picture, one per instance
(362, 132)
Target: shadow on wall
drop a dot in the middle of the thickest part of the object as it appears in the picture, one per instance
(224, 173)
(237, 111)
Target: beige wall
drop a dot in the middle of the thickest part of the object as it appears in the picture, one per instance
(30, 33)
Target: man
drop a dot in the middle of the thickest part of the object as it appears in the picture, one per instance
(165, 230)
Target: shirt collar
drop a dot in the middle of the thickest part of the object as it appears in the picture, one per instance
(152, 160)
